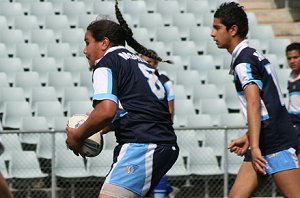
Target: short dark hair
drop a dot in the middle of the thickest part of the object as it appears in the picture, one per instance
(292, 46)
(232, 13)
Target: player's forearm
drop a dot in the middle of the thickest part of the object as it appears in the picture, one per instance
(98, 119)
(254, 123)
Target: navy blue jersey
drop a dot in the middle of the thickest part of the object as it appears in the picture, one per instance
(250, 66)
(168, 85)
(126, 79)
(294, 98)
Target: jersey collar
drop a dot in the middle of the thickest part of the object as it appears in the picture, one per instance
(237, 50)
(108, 51)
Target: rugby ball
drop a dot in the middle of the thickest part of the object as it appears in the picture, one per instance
(93, 145)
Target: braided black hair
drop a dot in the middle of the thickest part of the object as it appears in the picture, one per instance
(132, 42)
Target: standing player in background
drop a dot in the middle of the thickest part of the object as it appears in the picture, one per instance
(163, 189)
(271, 136)
(166, 82)
(147, 146)
(4, 189)
(293, 59)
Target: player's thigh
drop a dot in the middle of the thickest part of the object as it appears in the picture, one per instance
(114, 191)
(288, 182)
(246, 182)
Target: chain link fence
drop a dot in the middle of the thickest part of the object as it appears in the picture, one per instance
(39, 165)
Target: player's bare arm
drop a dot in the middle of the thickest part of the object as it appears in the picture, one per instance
(99, 118)
(254, 125)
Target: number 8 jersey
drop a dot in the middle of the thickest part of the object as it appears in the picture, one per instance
(128, 80)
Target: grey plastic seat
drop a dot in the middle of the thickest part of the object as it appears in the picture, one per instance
(32, 124)
(26, 52)
(100, 165)
(151, 25)
(74, 37)
(39, 94)
(57, 23)
(10, 66)
(27, 80)
(60, 80)
(43, 37)
(10, 10)
(13, 113)
(50, 110)
(74, 94)
(11, 37)
(9, 94)
(41, 10)
(198, 8)
(11, 143)
(59, 51)
(44, 65)
(167, 9)
(75, 65)
(26, 23)
(202, 64)
(73, 9)
(79, 107)
(3, 80)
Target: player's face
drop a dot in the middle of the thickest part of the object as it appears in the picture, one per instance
(151, 61)
(293, 58)
(220, 34)
(93, 49)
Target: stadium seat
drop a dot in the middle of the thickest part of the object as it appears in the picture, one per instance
(263, 33)
(11, 37)
(278, 46)
(104, 9)
(187, 140)
(75, 65)
(26, 52)
(70, 167)
(9, 94)
(50, 110)
(203, 91)
(219, 77)
(231, 97)
(43, 37)
(12, 115)
(44, 65)
(110, 141)
(32, 124)
(4, 170)
(57, 23)
(59, 51)
(3, 23)
(85, 79)
(26, 4)
(255, 43)
(179, 91)
(3, 80)
(202, 64)
(198, 8)
(141, 34)
(26, 23)
(202, 165)
(73, 9)
(85, 19)
(134, 9)
(232, 120)
(178, 169)
(79, 107)
(58, 5)
(27, 80)
(184, 107)
(100, 165)
(39, 94)
(11, 143)
(10, 11)
(199, 120)
(3, 50)
(184, 49)
(273, 59)
(60, 80)
(168, 39)
(188, 78)
(41, 10)
(74, 94)
(60, 123)
(200, 35)
(234, 163)
(74, 37)
(151, 25)
(10, 66)
(184, 21)
(167, 9)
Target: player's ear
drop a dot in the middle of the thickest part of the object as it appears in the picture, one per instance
(234, 30)
(105, 43)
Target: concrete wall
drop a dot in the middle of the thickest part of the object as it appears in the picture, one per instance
(294, 6)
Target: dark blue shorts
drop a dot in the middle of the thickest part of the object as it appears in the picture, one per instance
(139, 167)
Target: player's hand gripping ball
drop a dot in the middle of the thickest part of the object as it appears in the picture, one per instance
(93, 145)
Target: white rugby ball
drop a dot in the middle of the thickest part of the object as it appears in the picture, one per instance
(93, 145)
